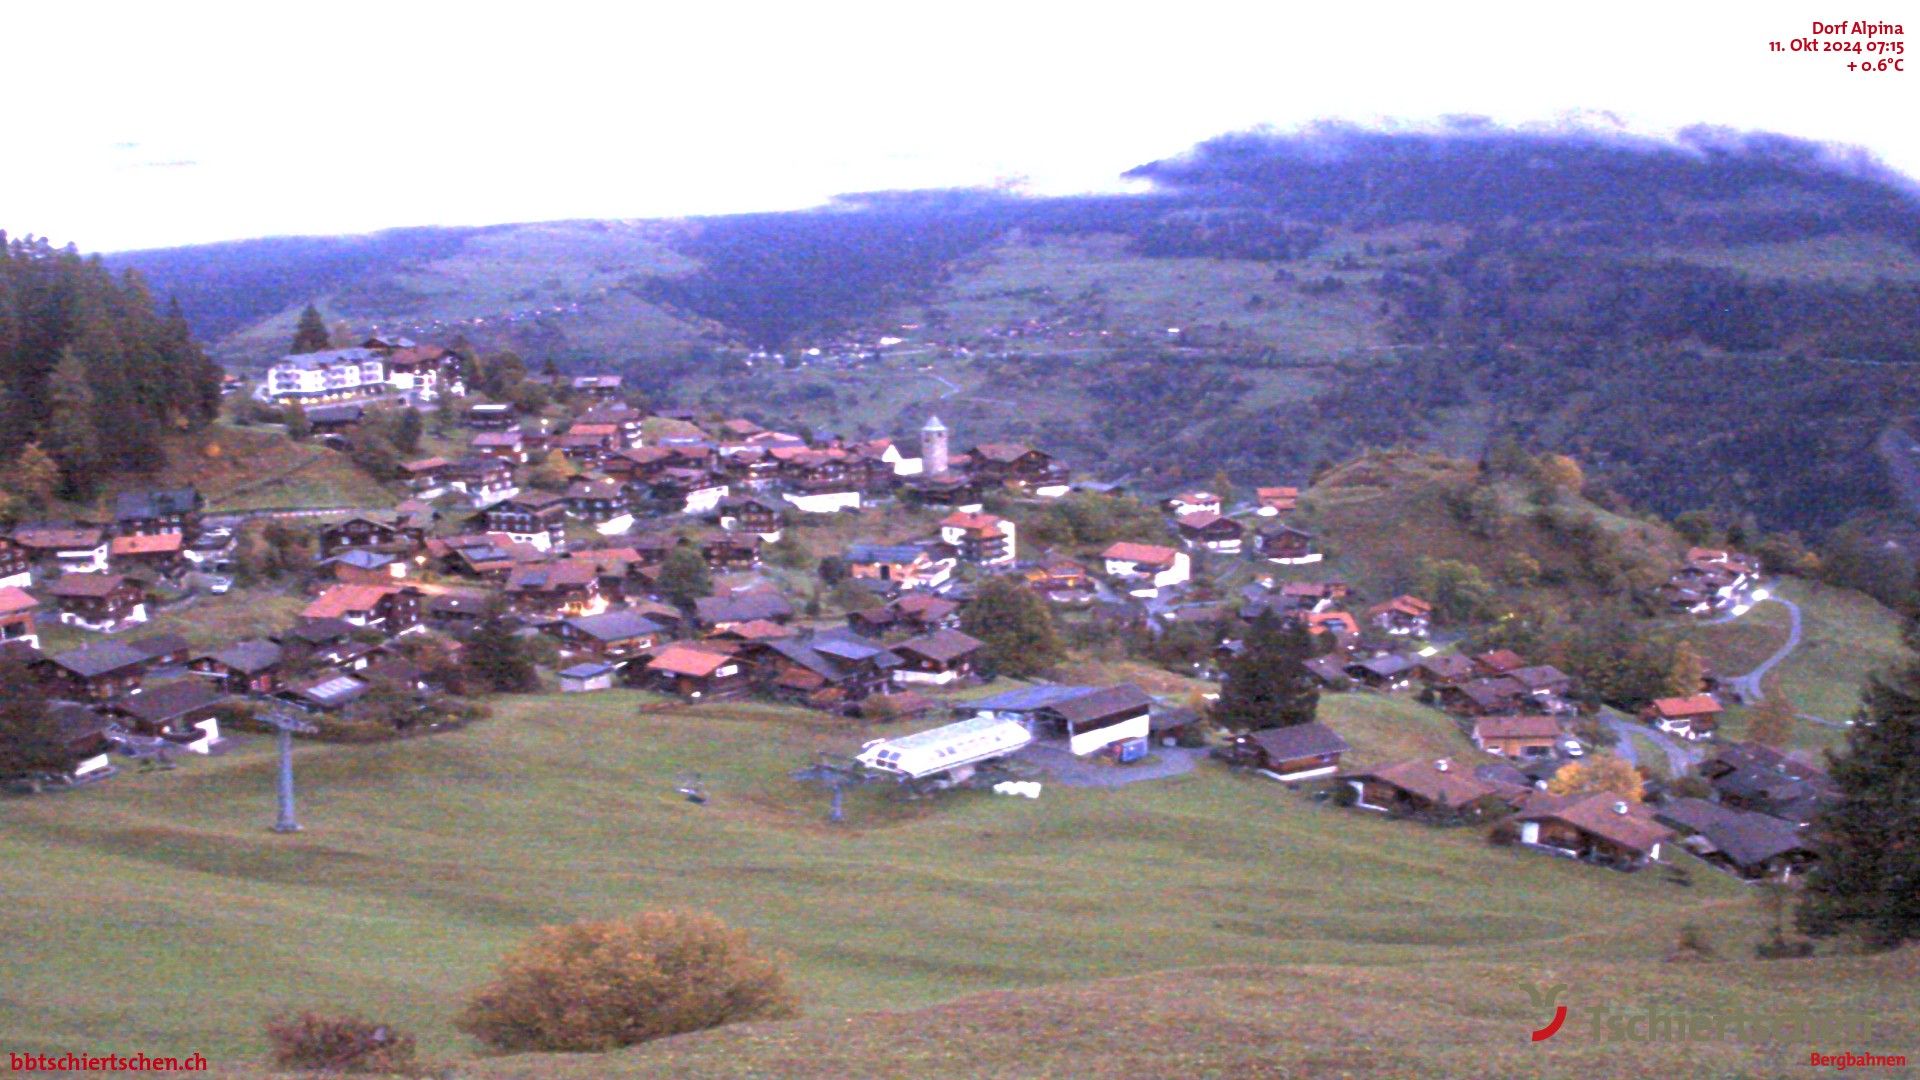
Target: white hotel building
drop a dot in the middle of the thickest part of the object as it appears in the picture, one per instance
(327, 376)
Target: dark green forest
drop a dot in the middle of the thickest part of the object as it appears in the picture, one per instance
(91, 373)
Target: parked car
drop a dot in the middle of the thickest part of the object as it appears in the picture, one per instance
(1572, 748)
(219, 586)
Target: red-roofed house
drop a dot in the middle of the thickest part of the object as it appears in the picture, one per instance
(394, 609)
(1402, 615)
(1692, 717)
(981, 539)
(1209, 531)
(1195, 502)
(695, 671)
(159, 552)
(16, 617)
(1274, 501)
(1150, 566)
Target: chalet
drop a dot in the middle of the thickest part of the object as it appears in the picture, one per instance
(601, 387)
(82, 731)
(914, 613)
(1600, 828)
(692, 491)
(1520, 735)
(628, 421)
(1147, 566)
(1763, 780)
(1195, 502)
(751, 632)
(163, 510)
(101, 602)
(830, 669)
(488, 556)
(426, 477)
(1443, 671)
(186, 707)
(1485, 697)
(1208, 531)
(1692, 717)
(458, 614)
(329, 693)
(16, 617)
(1754, 846)
(942, 657)
(694, 671)
(586, 678)
(1498, 662)
(555, 588)
(96, 672)
(603, 502)
(534, 517)
(1061, 580)
(948, 489)
(490, 416)
(587, 445)
(751, 514)
(335, 420)
(721, 612)
(1293, 753)
(1402, 615)
(1329, 671)
(1274, 501)
(483, 480)
(16, 570)
(365, 567)
(508, 446)
(245, 667)
(1286, 545)
(1088, 718)
(611, 635)
(1314, 595)
(640, 465)
(1342, 625)
(163, 650)
(1016, 465)
(391, 609)
(979, 538)
(75, 549)
(424, 371)
(1420, 787)
(328, 375)
(1388, 671)
(907, 565)
(366, 534)
(1542, 681)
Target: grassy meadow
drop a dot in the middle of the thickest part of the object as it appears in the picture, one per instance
(156, 909)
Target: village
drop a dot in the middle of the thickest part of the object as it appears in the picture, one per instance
(668, 560)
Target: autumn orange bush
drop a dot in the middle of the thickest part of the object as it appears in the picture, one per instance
(349, 1044)
(600, 985)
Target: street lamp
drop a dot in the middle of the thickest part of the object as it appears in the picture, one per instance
(286, 724)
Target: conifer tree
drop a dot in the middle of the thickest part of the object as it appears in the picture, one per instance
(1268, 685)
(311, 335)
(497, 660)
(72, 437)
(33, 477)
(684, 577)
(1867, 881)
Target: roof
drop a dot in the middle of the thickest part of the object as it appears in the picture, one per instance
(1410, 606)
(1029, 698)
(884, 553)
(333, 690)
(1538, 676)
(943, 646)
(933, 424)
(1126, 551)
(1748, 839)
(1207, 519)
(154, 646)
(157, 704)
(1450, 666)
(552, 575)
(248, 657)
(591, 670)
(80, 585)
(15, 600)
(1600, 814)
(59, 538)
(1501, 660)
(1299, 741)
(1386, 666)
(1002, 452)
(680, 658)
(986, 525)
(742, 608)
(925, 607)
(1103, 702)
(1526, 726)
(327, 358)
(101, 658)
(940, 736)
(346, 599)
(1451, 785)
(1492, 693)
(615, 625)
(1693, 705)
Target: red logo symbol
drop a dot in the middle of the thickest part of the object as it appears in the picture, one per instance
(1542, 997)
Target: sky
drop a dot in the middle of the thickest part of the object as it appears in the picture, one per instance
(146, 125)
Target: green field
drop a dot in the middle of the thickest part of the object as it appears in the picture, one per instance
(156, 910)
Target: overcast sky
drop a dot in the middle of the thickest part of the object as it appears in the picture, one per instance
(158, 124)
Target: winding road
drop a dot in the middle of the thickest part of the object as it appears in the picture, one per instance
(1749, 689)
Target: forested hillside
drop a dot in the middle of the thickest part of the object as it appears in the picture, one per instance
(91, 375)
(1673, 314)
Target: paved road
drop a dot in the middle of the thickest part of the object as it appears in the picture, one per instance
(1066, 769)
(1681, 758)
(1748, 686)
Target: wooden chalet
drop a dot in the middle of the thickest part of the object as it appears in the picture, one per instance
(102, 602)
(1517, 735)
(720, 612)
(507, 446)
(96, 672)
(161, 510)
(1692, 717)
(826, 670)
(598, 501)
(189, 707)
(391, 609)
(1286, 545)
(939, 658)
(16, 569)
(366, 534)
(1752, 845)
(254, 666)
(908, 566)
(694, 671)
(1420, 787)
(16, 617)
(1012, 464)
(1293, 753)
(751, 514)
(914, 613)
(1402, 615)
(1600, 828)
(555, 588)
(1274, 501)
(75, 549)
(1207, 531)
(618, 635)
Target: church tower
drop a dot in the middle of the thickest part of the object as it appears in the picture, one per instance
(933, 447)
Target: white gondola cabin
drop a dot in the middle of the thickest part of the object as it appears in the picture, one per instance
(958, 746)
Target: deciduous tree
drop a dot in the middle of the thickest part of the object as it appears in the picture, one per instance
(1016, 625)
(1607, 773)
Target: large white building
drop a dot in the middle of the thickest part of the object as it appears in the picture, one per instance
(327, 376)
